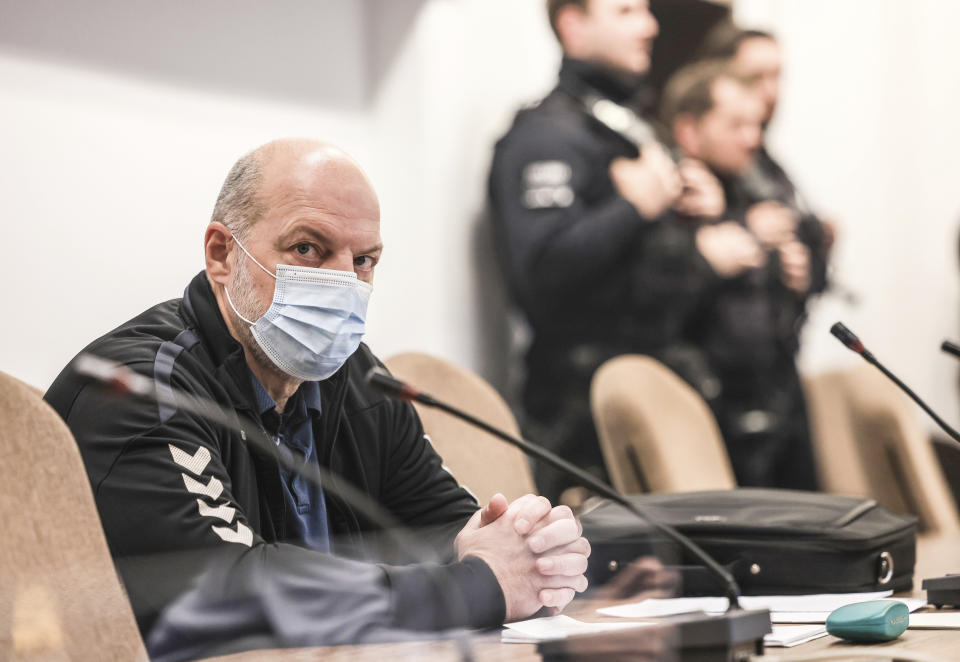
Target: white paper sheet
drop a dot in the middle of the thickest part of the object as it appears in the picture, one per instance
(793, 635)
(797, 608)
(556, 627)
(936, 620)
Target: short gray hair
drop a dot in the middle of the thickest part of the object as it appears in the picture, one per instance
(238, 205)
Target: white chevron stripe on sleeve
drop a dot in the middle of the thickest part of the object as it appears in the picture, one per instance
(223, 511)
(212, 489)
(195, 463)
(242, 534)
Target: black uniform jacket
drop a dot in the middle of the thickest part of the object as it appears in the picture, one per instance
(583, 265)
(750, 326)
(175, 491)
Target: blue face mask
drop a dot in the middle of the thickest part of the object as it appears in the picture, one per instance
(316, 320)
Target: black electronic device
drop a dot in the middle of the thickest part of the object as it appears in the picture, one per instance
(943, 591)
(733, 636)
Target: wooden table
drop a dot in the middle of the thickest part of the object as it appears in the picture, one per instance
(935, 557)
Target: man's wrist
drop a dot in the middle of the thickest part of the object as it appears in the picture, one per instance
(462, 594)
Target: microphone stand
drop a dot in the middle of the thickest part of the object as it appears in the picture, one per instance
(853, 343)
(940, 590)
(744, 629)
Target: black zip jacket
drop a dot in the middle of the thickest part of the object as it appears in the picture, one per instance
(175, 491)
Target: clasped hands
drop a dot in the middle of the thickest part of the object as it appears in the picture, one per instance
(535, 551)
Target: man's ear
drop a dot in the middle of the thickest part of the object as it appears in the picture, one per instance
(569, 22)
(686, 134)
(217, 248)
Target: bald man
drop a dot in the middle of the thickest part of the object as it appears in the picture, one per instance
(271, 331)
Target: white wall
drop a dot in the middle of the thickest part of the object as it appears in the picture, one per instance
(868, 127)
(118, 122)
(115, 142)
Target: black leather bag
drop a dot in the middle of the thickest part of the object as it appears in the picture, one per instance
(774, 542)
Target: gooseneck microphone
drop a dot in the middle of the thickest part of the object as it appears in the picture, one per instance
(950, 348)
(851, 342)
(737, 634)
(848, 338)
(394, 388)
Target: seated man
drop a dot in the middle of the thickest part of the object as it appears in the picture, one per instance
(749, 326)
(270, 332)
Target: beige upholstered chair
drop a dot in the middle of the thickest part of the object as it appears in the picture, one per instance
(482, 463)
(895, 450)
(60, 598)
(656, 432)
(836, 447)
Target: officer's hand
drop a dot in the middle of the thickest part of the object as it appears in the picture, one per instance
(535, 552)
(729, 248)
(771, 223)
(651, 183)
(702, 193)
(795, 266)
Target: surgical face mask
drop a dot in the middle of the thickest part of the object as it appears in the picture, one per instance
(315, 322)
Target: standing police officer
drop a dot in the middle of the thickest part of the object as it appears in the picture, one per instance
(748, 327)
(588, 211)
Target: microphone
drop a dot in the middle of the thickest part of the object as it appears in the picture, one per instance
(753, 624)
(950, 348)
(851, 341)
(848, 338)
(392, 387)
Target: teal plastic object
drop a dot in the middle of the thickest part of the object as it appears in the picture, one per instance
(875, 620)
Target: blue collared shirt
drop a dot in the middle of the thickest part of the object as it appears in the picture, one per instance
(294, 432)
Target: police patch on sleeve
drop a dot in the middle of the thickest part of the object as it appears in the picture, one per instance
(547, 184)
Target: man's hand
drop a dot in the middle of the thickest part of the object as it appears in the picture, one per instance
(771, 223)
(702, 195)
(535, 551)
(729, 248)
(651, 182)
(795, 266)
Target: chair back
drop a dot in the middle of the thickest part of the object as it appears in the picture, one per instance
(840, 467)
(60, 595)
(897, 454)
(480, 462)
(657, 434)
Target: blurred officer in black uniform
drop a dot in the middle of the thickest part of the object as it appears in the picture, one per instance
(585, 204)
(749, 325)
(755, 56)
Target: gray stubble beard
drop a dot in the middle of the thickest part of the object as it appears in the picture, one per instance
(245, 299)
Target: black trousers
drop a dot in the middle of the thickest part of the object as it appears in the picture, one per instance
(763, 420)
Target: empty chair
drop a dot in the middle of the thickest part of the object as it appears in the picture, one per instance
(948, 453)
(60, 597)
(656, 432)
(840, 466)
(896, 452)
(481, 462)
